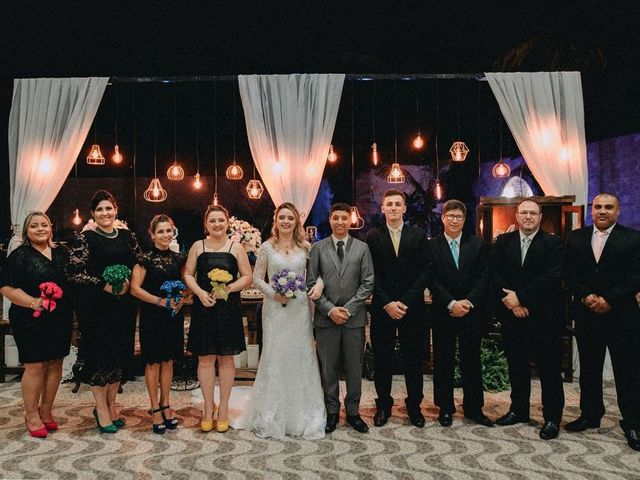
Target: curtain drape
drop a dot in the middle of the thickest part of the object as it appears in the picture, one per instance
(290, 121)
(545, 113)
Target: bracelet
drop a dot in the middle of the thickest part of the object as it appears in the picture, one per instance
(32, 305)
(158, 301)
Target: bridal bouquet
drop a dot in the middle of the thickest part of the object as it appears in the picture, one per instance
(288, 283)
(219, 279)
(173, 290)
(49, 292)
(244, 233)
(116, 275)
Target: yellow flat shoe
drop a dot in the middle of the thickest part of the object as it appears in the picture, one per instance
(222, 426)
(207, 426)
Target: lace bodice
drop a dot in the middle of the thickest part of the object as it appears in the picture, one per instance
(161, 266)
(270, 261)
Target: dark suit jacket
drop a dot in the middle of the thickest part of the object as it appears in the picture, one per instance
(537, 283)
(470, 280)
(616, 277)
(403, 277)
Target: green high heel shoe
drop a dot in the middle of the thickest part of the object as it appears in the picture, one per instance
(108, 429)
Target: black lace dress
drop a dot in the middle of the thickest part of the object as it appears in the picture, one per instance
(107, 322)
(216, 330)
(47, 337)
(161, 335)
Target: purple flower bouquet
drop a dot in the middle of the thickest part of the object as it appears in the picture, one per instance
(288, 283)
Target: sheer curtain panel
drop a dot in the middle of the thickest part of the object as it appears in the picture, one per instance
(290, 121)
(545, 113)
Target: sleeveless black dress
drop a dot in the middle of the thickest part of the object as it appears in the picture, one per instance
(161, 335)
(47, 337)
(216, 330)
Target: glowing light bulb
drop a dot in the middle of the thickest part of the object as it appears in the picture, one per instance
(155, 192)
(375, 157)
(197, 183)
(501, 170)
(418, 142)
(215, 199)
(117, 156)
(438, 190)
(354, 217)
(254, 192)
(234, 170)
(76, 217)
(333, 156)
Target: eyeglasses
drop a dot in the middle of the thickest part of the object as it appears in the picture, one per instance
(451, 217)
(529, 213)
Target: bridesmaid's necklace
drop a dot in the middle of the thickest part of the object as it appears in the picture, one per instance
(113, 234)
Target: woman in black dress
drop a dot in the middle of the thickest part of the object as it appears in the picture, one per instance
(107, 317)
(161, 321)
(216, 331)
(43, 340)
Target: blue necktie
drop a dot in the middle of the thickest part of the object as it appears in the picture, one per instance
(454, 251)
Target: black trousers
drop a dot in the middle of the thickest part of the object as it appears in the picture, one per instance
(468, 333)
(524, 339)
(621, 334)
(411, 331)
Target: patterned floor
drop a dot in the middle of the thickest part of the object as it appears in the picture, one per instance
(398, 450)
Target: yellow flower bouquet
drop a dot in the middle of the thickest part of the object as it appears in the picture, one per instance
(219, 279)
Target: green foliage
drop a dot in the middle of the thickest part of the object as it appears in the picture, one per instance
(495, 373)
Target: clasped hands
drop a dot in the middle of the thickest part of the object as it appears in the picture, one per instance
(460, 308)
(396, 310)
(339, 315)
(511, 301)
(596, 303)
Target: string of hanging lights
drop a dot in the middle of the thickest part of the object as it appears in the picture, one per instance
(234, 171)
(395, 174)
(154, 192)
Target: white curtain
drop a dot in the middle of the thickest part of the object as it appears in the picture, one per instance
(545, 113)
(48, 123)
(290, 121)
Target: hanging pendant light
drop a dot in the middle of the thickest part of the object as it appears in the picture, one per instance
(418, 141)
(357, 222)
(375, 155)
(215, 143)
(395, 174)
(459, 149)
(501, 169)
(117, 157)
(95, 156)
(175, 172)
(438, 190)
(154, 192)
(76, 217)
(234, 171)
(254, 187)
(197, 183)
(332, 156)
(215, 199)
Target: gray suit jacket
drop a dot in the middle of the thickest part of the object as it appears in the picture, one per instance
(345, 285)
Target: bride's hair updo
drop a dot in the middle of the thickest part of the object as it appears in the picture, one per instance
(298, 232)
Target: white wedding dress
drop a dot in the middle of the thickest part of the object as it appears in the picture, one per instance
(286, 398)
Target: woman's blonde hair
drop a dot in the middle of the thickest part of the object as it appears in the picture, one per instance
(25, 227)
(299, 236)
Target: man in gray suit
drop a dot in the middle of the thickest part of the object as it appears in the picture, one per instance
(345, 266)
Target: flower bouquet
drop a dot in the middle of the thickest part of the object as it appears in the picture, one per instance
(219, 279)
(288, 283)
(173, 290)
(246, 235)
(49, 293)
(116, 275)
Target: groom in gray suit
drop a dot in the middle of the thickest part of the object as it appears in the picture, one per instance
(345, 266)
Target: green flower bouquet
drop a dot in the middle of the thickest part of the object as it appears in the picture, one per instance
(116, 275)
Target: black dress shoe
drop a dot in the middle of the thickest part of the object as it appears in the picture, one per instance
(416, 417)
(357, 423)
(581, 424)
(445, 419)
(633, 438)
(332, 422)
(511, 418)
(381, 417)
(482, 419)
(549, 431)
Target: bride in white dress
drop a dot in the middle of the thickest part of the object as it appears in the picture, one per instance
(287, 397)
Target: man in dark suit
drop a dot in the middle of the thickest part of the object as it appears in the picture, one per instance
(344, 264)
(459, 286)
(400, 258)
(527, 273)
(603, 273)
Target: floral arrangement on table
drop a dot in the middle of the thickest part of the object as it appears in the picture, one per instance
(116, 275)
(49, 293)
(173, 290)
(219, 279)
(246, 235)
(288, 283)
(91, 225)
(495, 372)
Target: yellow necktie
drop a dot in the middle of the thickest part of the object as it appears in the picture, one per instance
(395, 240)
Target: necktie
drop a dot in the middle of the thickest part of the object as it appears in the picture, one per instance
(525, 246)
(340, 244)
(598, 244)
(454, 251)
(395, 234)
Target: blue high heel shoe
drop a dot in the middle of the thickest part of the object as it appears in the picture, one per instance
(170, 423)
(158, 428)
